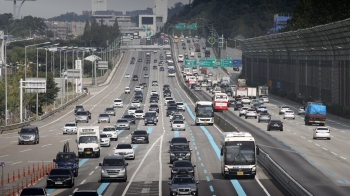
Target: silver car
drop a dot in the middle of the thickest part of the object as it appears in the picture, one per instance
(113, 167)
(104, 118)
(82, 116)
(197, 88)
(122, 123)
(251, 113)
(301, 110)
(110, 111)
(264, 117)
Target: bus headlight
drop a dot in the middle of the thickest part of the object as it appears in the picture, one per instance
(226, 169)
(253, 168)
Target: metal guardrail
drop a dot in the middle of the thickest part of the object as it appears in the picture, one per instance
(47, 114)
(286, 180)
(14, 126)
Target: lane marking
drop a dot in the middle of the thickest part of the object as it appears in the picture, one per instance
(25, 150)
(160, 167)
(16, 162)
(82, 182)
(46, 145)
(91, 173)
(324, 148)
(4, 156)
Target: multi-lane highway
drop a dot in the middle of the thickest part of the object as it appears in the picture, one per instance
(318, 165)
(149, 173)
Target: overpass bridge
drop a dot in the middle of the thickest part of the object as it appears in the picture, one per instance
(144, 47)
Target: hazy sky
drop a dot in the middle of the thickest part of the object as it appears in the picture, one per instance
(50, 8)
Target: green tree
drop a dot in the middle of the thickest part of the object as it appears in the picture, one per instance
(87, 32)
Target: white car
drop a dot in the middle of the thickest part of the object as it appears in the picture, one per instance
(245, 100)
(111, 131)
(126, 150)
(180, 106)
(288, 114)
(301, 110)
(261, 109)
(118, 103)
(168, 99)
(266, 99)
(127, 75)
(243, 111)
(322, 132)
(131, 110)
(251, 113)
(178, 125)
(180, 58)
(139, 114)
(70, 128)
(127, 90)
(136, 104)
(104, 140)
(155, 50)
(283, 108)
(146, 76)
(138, 88)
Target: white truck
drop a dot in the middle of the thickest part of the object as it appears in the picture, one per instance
(225, 80)
(88, 141)
(200, 78)
(241, 92)
(252, 92)
(263, 91)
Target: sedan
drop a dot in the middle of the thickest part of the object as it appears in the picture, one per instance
(104, 140)
(139, 114)
(140, 60)
(183, 164)
(301, 110)
(110, 111)
(322, 132)
(243, 111)
(60, 177)
(288, 114)
(266, 99)
(104, 118)
(146, 76)
(127, 75)
(261, 109)
(131, 118)
(275, 125)
(122, 124)
(264, 117)
(251, 113)
(178, 125)
(245, 100)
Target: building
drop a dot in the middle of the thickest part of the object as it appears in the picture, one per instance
(279, 22)
(161, 10)
(65, 30)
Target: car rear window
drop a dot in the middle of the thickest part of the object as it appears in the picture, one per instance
(117, 100)
(122, 121)
(33, 191)
(140, 132)
(178, 122)
(70, 125)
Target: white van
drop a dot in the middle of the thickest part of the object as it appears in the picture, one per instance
(192, 54)
(180, 58)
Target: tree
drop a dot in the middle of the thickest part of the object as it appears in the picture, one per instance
(51, 92)
(87, 32)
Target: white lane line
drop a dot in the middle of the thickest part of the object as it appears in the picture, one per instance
(13, 141)
(343, 157)
(75, 190)
(25, 150)
(334, 153)
(303, 137)
(317, 144)
(160, 166)
(91, 173)
(46, 145)
(343, 131)
(96, 167)
(4, 156)
(138, 168)
(309, 140)
(123, 140)
(262, 186)
(16, 162)
(324, 148)
(82, 182)
(66, 140)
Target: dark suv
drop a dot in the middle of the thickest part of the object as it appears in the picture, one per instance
(135, 78)
(60, 177)
(37, 191)
(275, 125)
(180, 151)
(78, 108)
(171, 109)
(139, 136)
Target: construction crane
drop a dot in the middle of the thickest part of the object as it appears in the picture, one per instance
(15, 14)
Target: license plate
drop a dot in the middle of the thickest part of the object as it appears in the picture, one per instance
(179, 159)
(317, 121)
(205, 122)
(240, 173)
(184, 193)
(276, 125)
(58, 183)
(88, 152)
(113, 176)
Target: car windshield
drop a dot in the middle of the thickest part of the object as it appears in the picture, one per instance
(172, 108)
(150, 114)
(178, 117)
(103, 136)
(65, 158)
(107, 129)
(285, 107)
(183, 181)
(182, 164)
(87, 139)
(60, 172)
(104, 115)
(79, 107)
(113, 162)
(27, 131)
(179, 140)
(179, 103)
(153, 106)
(33, 191)
(275, 121)
(70, 125)
(180, 148)
(288, 111)
(124, 146)
(122, 121)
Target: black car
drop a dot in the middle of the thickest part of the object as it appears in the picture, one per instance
(139, 92)
(177, 140)
(184, 47)
(193, 86)
(183, 184)
(86, 193)
(166, 87)
(138, 97)
(171, 103)
(37, 191)
(144, 84)
(183, 44)
(180, 151)
(161, 69)
(171, 109)
(145, 68)
(132, 62)
(179, 165)
(238, 105)
(154, 107)
(151, 117)
(131, 118)
(275, 125)
(140, 60)
(60, 177)
(161, 58)
(231, 103)
(155, 67)
(135, 78)
(148, 62)
(167, 93)
(235, 68)
(155, 61)
(133, 58)
(153, 99)
(139, 136)
(78, 108)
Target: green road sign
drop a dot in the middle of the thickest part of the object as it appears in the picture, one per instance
(207, 63)
(180, 26)
(190, 63)
(192, 26)
(226, 63)
(215, 63)
(211, 40)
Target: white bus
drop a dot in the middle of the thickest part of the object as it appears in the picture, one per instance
(238, 154)
(204, 113)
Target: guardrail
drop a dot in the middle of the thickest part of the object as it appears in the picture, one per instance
(49, 113)
(14, 126)
(286, 180)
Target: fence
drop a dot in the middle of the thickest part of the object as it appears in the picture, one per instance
(311, 63)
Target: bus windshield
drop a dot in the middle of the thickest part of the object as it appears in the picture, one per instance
(204, 111)
(239, 153)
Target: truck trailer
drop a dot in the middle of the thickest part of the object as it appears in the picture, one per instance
(315, 114)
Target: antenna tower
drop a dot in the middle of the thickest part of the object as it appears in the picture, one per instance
(15, 14)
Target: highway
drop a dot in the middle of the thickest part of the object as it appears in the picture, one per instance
(149, 173)
(318, 165)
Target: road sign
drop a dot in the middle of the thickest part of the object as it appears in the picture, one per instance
(279, 84)
(192, 26)
(215, 62)
(73, 73)
(180, 26)
(102, 65)
(226, 63)
(211, 40)
(35, 85)
(190, 63)
(2, 164)
(207, 63)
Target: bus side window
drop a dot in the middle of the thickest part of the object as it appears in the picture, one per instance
(222, 152)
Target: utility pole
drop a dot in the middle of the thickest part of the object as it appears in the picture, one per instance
(221, 44)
